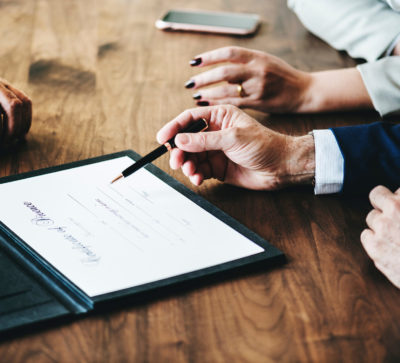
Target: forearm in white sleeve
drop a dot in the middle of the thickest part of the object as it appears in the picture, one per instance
(382, 81)
(363, 28)
(329, 163)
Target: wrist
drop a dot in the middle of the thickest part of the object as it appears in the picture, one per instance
(300, 161)
(330, 91)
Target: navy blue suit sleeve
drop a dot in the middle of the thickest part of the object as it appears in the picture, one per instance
(371, 156)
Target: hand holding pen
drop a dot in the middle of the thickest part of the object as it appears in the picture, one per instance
(239, 150)
(196, 126)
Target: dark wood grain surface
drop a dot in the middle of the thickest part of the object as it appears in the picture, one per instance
(102, 79)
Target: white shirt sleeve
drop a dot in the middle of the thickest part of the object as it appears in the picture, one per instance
(329, 163)
(395, 4)
(392, 45)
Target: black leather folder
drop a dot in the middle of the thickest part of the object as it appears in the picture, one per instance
(34, 291)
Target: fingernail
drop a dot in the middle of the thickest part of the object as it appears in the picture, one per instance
(183, 139)
(203, 103)
(196, 96)
(189, 84)
(195, 62)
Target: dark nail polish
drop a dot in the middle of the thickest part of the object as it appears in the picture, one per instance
(195, 62)
(196, 96)
(189, 84)
(202, 103)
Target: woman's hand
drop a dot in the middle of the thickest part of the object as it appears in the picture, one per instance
(238, 150)
(267, 82)
(381, 240)
(15, 113)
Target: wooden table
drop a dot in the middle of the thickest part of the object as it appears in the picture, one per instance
(103, 79)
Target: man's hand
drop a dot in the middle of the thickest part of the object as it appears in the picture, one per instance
(382, 239)
(15, 113)
(238, 150)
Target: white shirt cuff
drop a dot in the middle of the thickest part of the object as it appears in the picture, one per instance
(329, 163)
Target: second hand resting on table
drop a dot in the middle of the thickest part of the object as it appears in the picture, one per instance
(15, 114)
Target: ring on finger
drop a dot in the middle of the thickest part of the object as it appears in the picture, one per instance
(240, 90)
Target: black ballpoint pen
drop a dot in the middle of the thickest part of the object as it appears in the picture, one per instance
(197, 126)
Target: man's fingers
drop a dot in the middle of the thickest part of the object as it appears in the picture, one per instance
(196, 179)
(177, 158)
(217, 117)
(226, 54)
(369, 243)
(204, 141)
(372, 218)
(181, 121)
(380, 196)
(190, 165)
(203, 171)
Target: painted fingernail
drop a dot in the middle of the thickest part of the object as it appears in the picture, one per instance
(203, 103)
(189, 84)
(195, 62)
(196, 96)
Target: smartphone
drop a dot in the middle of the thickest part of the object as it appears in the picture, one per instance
(209, 21)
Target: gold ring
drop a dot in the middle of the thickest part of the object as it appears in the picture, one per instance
(240, 90)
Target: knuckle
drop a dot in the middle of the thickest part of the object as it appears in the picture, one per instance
(231, 110)
(364, 236)
(202, 141)
(228, 108)
(15, 104)
(224, 72)
(370, 215)
(230, 51)
(392, 207)
(395, 203)
(377, 190)
(367, 240)
(236, 133)
(381, 224)
(264, 70)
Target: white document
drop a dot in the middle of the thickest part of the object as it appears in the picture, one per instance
(107, 237)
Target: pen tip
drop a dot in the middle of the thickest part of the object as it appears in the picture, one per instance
(115, 179)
